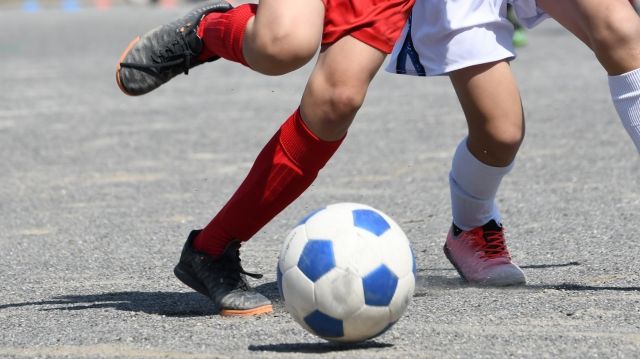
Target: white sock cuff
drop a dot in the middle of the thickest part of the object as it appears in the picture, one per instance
(476, 178)
(625, 84)
(625, 92)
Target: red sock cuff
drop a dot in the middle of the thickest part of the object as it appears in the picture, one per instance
(303, 147)
(223, 33)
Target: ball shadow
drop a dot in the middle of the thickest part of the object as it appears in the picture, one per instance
(318, 348)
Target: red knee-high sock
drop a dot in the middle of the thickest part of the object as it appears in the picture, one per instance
(285, 168)
(222, 33)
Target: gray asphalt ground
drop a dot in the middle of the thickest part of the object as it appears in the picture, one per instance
(98, 192)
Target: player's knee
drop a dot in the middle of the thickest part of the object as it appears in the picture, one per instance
(505, 132)
(501, 142)
(508, 145)
(345, 101)
(509, 138)
(336, 111)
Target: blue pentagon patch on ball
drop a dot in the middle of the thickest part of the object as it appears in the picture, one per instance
(370, 220)
(324, 325)
(316, 259)
(379, 286)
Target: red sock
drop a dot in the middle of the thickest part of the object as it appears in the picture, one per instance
(222, 33)
(284, 169)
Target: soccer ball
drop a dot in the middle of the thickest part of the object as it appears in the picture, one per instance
(346, 272)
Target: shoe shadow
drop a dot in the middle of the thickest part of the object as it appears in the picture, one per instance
(424, 281)
(317, 348)
(528, 266)
(170, 304)
(550, 265)
(580, 287)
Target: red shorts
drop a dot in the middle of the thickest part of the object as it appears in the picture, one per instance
(377, 23)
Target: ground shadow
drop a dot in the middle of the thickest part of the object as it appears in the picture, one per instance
(581, 287)
(317, 348)
(171, 304)
(544, 266)
(528, 266)
(426, 282)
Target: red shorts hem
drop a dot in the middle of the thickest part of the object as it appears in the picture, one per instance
(377, 23)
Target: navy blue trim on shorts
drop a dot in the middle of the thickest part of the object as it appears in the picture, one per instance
(408, 49)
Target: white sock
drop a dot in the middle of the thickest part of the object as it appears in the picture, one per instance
(473, 188)
(625, 92)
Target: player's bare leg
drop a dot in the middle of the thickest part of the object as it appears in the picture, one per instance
(491, 103)
(476, 245)
(337, 88)
(612, 30)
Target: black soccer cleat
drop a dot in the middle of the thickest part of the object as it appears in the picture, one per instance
(222, 279)
(156, 57)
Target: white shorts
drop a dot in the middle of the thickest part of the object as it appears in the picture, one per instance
(446, 35)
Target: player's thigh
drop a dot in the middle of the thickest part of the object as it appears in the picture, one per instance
(570, 14)
(610, 28)
(490, 99)
(289, 25)
(337, 86)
